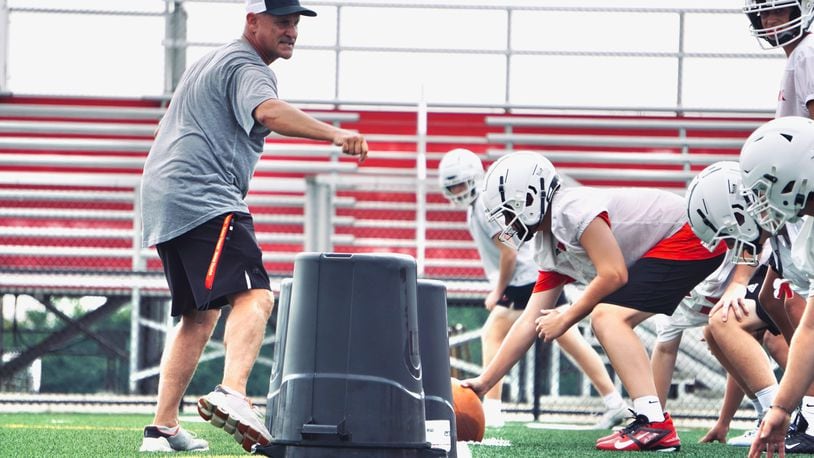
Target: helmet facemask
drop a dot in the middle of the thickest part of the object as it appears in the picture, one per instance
(783, 34)
(769, 216)
(777, 170)
(465, 196)
(517, 193)
(717, 212)
(516, 215)
(460, 168)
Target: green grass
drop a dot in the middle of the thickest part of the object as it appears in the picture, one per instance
(100, 435)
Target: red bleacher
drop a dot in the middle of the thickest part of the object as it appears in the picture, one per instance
(91, 218)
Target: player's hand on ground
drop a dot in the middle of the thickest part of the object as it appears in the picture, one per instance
(550, 325)
(352, 143)
(476, 385)
(733, 302)
(717, 433)
(771, 436)
(491, 299)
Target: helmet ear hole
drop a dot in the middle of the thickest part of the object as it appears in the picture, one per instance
(529, 199)
(740, 219)
(788, 188)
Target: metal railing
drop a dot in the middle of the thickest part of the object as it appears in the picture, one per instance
(176, 44)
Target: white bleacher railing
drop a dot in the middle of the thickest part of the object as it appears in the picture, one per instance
(331, 183)
(674, 44)
(588, 149)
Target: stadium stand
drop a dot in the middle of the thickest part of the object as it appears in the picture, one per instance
(69, 167)
(630, 151)
(69, 170)
(68, 194)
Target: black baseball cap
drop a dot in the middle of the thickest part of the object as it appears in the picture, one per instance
(278, 7)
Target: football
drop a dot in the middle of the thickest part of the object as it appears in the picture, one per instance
(469, 419)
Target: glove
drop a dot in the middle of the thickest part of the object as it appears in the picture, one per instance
(782, 289)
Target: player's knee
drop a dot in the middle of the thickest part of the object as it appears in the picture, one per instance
(707, 334)
(716, 325)
(201, 322)
(601, 319)
(265, 303)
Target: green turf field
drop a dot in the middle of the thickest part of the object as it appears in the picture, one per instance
(99, 435)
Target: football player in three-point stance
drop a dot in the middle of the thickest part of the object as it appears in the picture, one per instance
(512, 274)
(636, 255)
(777, 169)
(717, 212)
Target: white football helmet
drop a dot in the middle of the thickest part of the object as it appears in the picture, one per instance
(782, 34)
(517, 192)
(777, 169)
(460, 166)
(716, 209)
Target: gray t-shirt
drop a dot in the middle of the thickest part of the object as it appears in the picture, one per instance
(208, 143)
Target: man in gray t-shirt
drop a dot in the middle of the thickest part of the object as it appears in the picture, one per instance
(193, 210)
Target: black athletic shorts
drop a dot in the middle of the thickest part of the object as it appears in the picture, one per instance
(516, 297)
(206, 265)
(754, 284)
(658, 285)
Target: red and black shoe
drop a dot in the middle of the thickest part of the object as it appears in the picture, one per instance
(620, 431)
(643, 435)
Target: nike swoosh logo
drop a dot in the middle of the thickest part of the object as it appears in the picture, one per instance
(620, 445)
(793, 445)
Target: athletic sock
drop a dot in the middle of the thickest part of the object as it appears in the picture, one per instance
(650, 407)
(758, 408)
(765, 397)
(494, 404)
(613, 400)
(231, 391)
(807, 410)
(167, 430)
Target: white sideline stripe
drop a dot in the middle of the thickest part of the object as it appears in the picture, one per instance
(70, 427)
(561, 426)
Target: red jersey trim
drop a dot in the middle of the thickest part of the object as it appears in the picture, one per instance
(604, 217)
(550, 280)
(684, 245)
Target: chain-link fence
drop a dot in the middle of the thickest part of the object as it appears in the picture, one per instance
(69, 213)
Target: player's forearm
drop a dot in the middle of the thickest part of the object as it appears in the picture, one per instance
(732, 399)
(742, 274)
(597, 289)
(508, 263)
(517, 342)
(288, 120)
(799, 371)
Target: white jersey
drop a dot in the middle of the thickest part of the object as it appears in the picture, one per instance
(715, 284)
(483, 231)
(800, 280)
(639, 219)
(688, 315)
(802, 248)
(797, 86)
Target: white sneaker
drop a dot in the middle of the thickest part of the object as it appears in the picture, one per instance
(492, 413)
(159, 439)
(236, 415)
(745, 439)
(613, 417)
